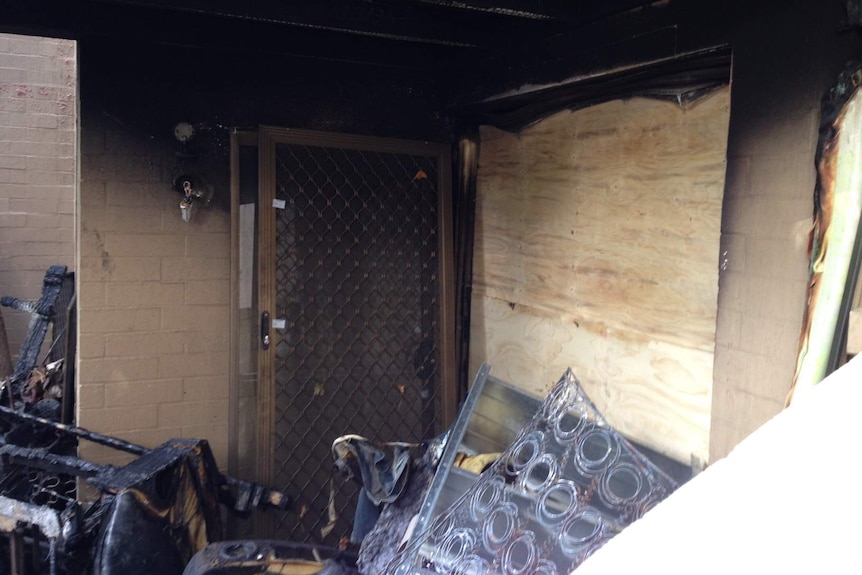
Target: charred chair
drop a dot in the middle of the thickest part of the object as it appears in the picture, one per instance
(152, 516)
(42, 384)
(55, 309)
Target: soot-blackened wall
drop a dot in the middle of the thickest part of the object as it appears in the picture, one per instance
(155, 291)
(785, 56)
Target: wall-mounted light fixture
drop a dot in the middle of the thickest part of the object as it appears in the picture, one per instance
(184, 132)
(193, 188)
(195, 192)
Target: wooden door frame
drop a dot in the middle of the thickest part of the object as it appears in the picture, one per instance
(268, 138)
(238, 138)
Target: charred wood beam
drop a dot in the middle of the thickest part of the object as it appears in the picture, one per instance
(596, 11)
(627, 38)
(243, 494)
(39, 458)
(537, 10)
(680, 79)
(73, 430)
(570, 12)
(621, 33)
(155, 461)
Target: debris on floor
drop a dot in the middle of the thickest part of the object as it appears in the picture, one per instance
(516, 485)
(546, 484)
(153, 515)
(565, 485)
(261, 557)
(387, 536)
(381, 471)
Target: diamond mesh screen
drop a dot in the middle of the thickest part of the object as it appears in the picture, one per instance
(357, 281)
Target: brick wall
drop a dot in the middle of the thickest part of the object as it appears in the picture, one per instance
(154, 310)
(785, 57)
(38, 115)
(154, 296)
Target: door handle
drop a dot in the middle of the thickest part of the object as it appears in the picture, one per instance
(264, 330)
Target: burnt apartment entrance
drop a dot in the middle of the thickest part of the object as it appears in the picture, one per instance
(343, 288)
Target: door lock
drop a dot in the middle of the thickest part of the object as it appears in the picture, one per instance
(264, 330)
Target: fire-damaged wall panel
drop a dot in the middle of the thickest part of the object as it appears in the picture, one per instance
(597, 247)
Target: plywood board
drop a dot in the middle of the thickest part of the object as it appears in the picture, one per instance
(854, 332)
(742, 515)
(597, 247)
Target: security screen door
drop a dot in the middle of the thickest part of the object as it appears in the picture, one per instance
(355, 299)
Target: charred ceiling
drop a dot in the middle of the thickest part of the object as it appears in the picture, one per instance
(480, 45)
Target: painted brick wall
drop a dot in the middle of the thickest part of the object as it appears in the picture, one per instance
(154, 297)
(154, 310)
(38, 116)
(785, 56)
